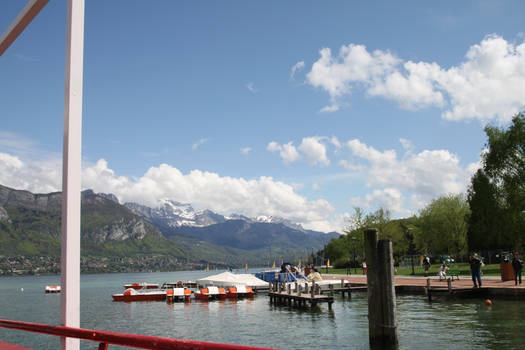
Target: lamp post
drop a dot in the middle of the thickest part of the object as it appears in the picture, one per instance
(354, 240)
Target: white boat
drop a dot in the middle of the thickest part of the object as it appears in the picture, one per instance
(53, 289)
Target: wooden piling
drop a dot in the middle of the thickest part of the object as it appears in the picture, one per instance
(429, 291)
(382, 319)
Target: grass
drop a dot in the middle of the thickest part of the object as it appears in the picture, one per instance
(463, 268)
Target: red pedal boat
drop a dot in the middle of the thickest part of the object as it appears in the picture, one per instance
(178, 294)
(131, 294)
(240, 292)
(210, 293)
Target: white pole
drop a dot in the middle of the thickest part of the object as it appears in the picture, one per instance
(71, 172)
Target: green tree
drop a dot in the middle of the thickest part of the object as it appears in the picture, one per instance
(443, 224)
(497, 192)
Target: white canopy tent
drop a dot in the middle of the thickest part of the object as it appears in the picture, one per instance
(227, 279)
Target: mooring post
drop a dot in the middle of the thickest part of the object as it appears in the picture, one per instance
(382, 319)
(449, 285)
(429, 293)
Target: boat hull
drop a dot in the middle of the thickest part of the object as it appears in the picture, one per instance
(140, 297)
(138, 286)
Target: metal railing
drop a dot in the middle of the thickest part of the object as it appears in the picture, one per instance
(106, 338)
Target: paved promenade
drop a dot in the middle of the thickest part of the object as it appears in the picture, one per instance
(464, 281)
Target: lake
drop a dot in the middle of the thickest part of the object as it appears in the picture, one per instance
(456, 324)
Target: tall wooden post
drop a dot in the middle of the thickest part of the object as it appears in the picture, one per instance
(382, 319)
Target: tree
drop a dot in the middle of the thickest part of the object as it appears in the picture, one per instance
(497, 191)
(443, 225)
(484, 229)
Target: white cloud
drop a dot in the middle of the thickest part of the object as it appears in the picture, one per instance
(199, 143)
(37, 176)
(389, 198)
(314, 151)
(250, 86)
(329, 109)
(298, 66)
(223, 194)
(487, 85)
(421, 176)
(350, 166)
(246, 150)
(204, 190)
(288, 152)
(335, 141)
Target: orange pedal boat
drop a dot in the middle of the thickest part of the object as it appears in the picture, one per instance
(210, 293)
(178, 294)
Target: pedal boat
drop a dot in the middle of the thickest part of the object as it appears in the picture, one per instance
(210, 293)
(131, 294)
(178, 294)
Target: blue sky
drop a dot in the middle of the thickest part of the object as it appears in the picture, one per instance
(299, 109)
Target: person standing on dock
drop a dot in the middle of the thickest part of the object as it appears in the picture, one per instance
(426, 265)
(475, 269)
(517, 265)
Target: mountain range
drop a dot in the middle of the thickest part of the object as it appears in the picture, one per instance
(30, 225)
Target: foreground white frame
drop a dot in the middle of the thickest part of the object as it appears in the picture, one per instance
(71, 154)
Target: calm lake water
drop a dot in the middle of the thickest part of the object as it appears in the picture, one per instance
(460, 324)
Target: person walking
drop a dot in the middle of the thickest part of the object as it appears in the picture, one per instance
(517, 265)
(475, 270)
(426, 265)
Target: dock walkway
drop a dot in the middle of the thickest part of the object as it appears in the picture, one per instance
(491, 287)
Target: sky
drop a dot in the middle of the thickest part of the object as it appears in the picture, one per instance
(297, 109)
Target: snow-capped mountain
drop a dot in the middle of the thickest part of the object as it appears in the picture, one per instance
(174, 214)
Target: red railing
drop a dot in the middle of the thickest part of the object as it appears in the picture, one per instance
(106, 338)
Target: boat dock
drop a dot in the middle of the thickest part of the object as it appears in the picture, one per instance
(432, 287)
(281, 293)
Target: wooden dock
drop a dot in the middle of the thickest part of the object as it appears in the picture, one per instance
(450, 291)
(493, 287)
(280, 293)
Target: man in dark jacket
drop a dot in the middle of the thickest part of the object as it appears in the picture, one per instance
(517, 265)
(475, 269)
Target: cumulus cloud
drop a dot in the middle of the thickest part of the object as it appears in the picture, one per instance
(389, 198)
(204, 190)
(246, 150)
(37, 177)
(420, 176)
(298, 66)
(312, 150)
(487, 85)
(288, 152)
